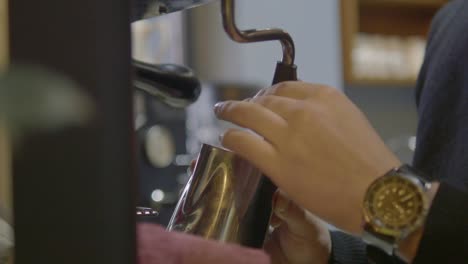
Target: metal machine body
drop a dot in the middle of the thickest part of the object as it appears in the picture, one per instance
(142, 9)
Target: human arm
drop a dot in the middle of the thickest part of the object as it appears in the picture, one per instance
(445, 237)
(300, 237)
(315, 145)
(317, 137)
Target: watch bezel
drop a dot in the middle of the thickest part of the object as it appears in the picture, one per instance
(377, 225)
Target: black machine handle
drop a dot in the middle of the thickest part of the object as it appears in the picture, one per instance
(175, 85)
(285, 72)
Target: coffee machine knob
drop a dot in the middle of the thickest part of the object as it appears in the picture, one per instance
(159, 146)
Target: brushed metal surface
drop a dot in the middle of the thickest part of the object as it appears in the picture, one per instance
(224, 200)
(142, 9)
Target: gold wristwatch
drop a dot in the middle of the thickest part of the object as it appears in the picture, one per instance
(395, 205)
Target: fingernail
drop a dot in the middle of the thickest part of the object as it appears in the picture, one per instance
(217, 107)
(281, 204)
(261, 92)
(275, 221)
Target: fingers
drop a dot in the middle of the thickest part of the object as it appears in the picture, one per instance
(253, 116)
(295, 90)
(274, 250)
(190, 169)
(282, 106)
(251, 147)
(275, 221)
(294, 217)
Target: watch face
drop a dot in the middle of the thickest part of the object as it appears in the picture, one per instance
(394, 204)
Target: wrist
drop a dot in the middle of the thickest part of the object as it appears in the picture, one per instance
(376, 173)
(395, 209)
(408, 248)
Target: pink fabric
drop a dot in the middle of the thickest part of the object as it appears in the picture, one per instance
(157, 246)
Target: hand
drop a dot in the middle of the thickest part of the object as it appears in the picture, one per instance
(315, 145)
(298, 237)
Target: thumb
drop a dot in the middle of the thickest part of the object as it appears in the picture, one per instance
(299, 223)
(190, 169)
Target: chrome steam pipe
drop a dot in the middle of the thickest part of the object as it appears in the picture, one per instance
(256, 35)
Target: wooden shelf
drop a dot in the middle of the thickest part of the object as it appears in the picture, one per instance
(394, 20)
(405, 3)
(402, 18)
(411, 82)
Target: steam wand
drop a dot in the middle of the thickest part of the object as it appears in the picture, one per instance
(285, 69)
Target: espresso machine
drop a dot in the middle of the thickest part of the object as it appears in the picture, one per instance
(245, 219)
(75, 186)
(226, 198)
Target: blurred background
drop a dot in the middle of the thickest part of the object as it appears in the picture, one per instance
(369, 49)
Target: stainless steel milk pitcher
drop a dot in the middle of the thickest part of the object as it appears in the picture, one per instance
(224, 200)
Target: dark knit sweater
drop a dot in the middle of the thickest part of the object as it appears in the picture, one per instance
(442, 145)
